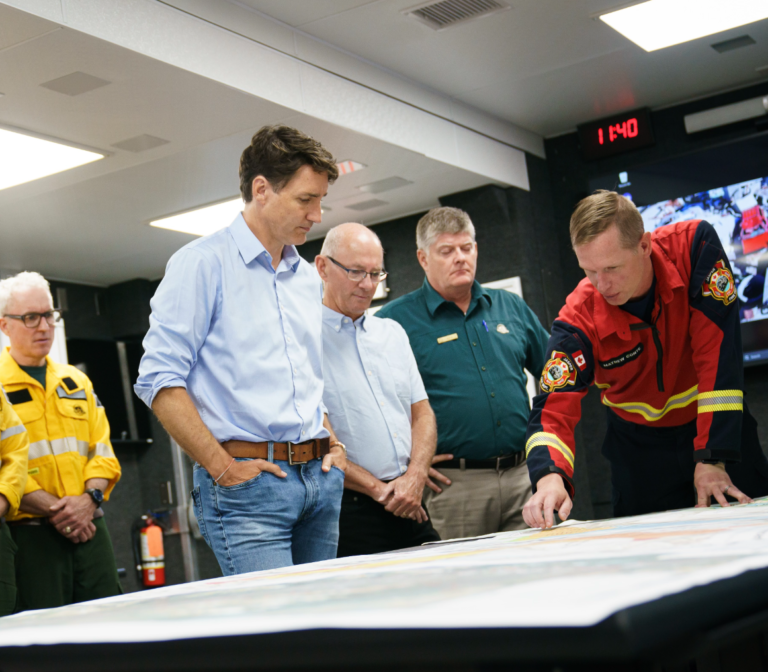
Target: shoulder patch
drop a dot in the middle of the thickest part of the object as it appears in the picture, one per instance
(19, 396)
(558, 372)
(719, 284)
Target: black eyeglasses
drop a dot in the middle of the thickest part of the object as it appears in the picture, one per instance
(356, 275)
(32, 320)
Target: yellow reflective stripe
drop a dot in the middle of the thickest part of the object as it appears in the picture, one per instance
(12, 431)
(68, 444)
(649, 412)
(100, 450)
(551, 441)
(721, 400)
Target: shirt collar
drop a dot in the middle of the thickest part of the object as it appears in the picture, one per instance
(434, 300)
(336, 320)
(613, 319)
(12, 374)
(250, 246)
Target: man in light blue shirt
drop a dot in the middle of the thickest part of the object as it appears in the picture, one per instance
(233, 367)
(376, 402)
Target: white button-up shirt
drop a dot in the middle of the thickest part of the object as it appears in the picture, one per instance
(371, 381)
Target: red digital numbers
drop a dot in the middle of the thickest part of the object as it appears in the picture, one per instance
(625, 129)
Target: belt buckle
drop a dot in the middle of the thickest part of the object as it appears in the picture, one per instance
(290, 445)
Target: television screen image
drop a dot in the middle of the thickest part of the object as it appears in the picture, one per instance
(739, 214)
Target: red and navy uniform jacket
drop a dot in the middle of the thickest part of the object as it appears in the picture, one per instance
(686, 365)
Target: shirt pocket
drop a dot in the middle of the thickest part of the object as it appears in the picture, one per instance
(439, 355)
(73, 416)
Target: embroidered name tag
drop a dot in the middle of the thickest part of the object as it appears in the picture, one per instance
(621, 360)
(449, 337)
(33, 472)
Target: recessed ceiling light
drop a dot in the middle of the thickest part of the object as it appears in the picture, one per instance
(657, 24)
(24, 158)
(202, 221)
(349, 166)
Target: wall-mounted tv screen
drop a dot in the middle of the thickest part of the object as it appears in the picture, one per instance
(739, 214)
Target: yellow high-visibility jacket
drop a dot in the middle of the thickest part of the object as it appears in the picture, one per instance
(14, 446)
(68, 429)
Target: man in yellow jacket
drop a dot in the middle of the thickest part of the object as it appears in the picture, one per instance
(14, 446)
(65, 553)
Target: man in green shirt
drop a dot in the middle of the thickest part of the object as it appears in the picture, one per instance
(471, 345)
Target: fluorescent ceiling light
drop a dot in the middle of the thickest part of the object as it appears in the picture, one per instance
(202, 221)
(24, 158)
(661, 23)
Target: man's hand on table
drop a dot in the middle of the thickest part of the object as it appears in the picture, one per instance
(550, 496)
(436, 475)
(711, 480)
(402, 496)
(72, 516)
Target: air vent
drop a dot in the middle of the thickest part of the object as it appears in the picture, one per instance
(140, 143)
(446, 13)
(386, 184)
(75, 84)
(735, 43)
(367, 205)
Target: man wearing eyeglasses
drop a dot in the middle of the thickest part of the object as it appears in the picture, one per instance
(376, 402)
(65, 553)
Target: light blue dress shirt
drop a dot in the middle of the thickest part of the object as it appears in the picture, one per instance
(371, 381)
(243, 339)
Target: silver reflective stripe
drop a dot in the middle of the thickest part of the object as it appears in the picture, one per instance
(12, 431)
(63, 394)
(69, 445)
(102, 450)
(98, 401)
(39, 449)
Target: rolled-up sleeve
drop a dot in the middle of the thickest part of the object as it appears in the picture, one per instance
(182, 310)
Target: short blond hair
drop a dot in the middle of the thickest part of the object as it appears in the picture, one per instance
(596, 213)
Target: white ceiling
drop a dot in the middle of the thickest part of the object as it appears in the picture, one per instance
(545, 65)
(90, 224)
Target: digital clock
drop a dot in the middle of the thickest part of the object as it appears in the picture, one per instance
(617, 134)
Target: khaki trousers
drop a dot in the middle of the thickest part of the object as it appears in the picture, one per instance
(479, 501)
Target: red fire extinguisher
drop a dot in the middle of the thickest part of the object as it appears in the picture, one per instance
(150, 561)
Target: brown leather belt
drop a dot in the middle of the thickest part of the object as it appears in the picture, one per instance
(293, 453)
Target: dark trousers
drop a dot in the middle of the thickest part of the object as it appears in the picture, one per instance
(7, 571)
(51, 571)
(652, 467)
(365, 528)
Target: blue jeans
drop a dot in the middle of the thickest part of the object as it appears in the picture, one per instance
(270, 522)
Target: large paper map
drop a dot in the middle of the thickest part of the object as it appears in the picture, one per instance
(589, 570)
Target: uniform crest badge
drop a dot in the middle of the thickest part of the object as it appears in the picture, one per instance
(502, 329)
(79, 410)
(558, 372)
(719, 284)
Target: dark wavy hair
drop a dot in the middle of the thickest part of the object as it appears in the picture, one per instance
(277, 152)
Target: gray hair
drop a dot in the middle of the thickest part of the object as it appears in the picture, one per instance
(334, 237)
(442, 220)
(20, 282)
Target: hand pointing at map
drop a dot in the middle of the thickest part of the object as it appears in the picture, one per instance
(551, 496)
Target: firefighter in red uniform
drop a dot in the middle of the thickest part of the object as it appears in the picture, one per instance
(655, 325)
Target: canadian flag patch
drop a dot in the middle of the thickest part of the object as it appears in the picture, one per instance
(581, 362)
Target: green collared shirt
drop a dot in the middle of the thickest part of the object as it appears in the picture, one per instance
(472, 366)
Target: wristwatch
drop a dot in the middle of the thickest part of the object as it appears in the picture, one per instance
(96, 495)
(341, 445)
